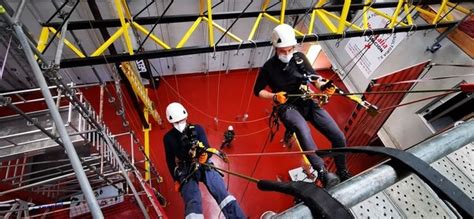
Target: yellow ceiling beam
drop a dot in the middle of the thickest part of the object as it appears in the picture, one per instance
(108, 42)
(152, 36)
(70, 45)
(343, 17)
(223, 30)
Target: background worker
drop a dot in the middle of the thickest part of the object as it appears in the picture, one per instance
(228, 137)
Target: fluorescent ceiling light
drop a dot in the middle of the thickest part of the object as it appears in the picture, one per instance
(313, 52)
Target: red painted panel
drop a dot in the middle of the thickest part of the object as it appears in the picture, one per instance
(226, 97)
(362, 128)
(215, 101)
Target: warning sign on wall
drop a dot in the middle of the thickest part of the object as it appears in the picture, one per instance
(378, 47)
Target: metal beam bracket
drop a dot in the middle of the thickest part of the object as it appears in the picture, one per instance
(4, 101)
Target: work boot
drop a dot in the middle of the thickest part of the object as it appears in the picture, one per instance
(328, 179)
(343, 175)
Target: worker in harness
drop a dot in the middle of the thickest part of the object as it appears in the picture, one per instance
(186, 149)
(228, 137)
(288, 72)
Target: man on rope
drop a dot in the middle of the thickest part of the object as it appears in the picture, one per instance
(228, 137)
(288, 72)
(187, 149)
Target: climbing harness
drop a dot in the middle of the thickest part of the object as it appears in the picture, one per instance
(196, 149)
(324, 98)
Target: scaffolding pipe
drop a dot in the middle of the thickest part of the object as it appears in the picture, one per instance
(59, 49)
(11, 22)
(371, 182)
(50, 87)
(71, 152)
(18, 11)
(106, 136)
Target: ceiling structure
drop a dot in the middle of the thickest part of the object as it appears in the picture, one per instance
(37, 12)
(91, 23)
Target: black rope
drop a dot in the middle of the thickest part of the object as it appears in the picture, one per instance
(57, 11)
(238, 17)
(271, 6)
(256, 164)
(60, 27)
(154, 25)
(146, 7)
(222, 1)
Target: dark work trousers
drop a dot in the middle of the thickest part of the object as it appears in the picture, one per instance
(215, 185)
(323, 122)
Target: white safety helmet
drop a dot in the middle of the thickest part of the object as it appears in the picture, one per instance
(283, 36)
(175, 112)
(230, 128)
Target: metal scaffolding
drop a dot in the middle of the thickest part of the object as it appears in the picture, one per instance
(95, 158)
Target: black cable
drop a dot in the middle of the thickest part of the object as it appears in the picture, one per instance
(256, 164)
(231, 25)
(60, 27)
(446, 14)
(154, 25)
(146, 7)
(304, 15)
(57, 11)
(205, 12)
(271, 6)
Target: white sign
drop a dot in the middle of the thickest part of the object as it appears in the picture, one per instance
(300, 174)
(379, 46)
(106, 196)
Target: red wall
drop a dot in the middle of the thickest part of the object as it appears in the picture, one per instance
(226, 97)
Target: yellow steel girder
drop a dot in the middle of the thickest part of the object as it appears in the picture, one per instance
(43, 39)
(255, 26)
(210, 26)
(325, 20)
(386, 16)
(257, 21)
(70, 45)
(282, 11)
(146, 136)
(311, 22)
(140, 90)
(406, 9)
(109, 42)
(365, 18)
(223, 30)
(440, 11)
(345, 23)
(276, 21)
(152, 36)
(343, 18)
(125, 25)
(188, 33)
(394, 17)
(459, 8)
